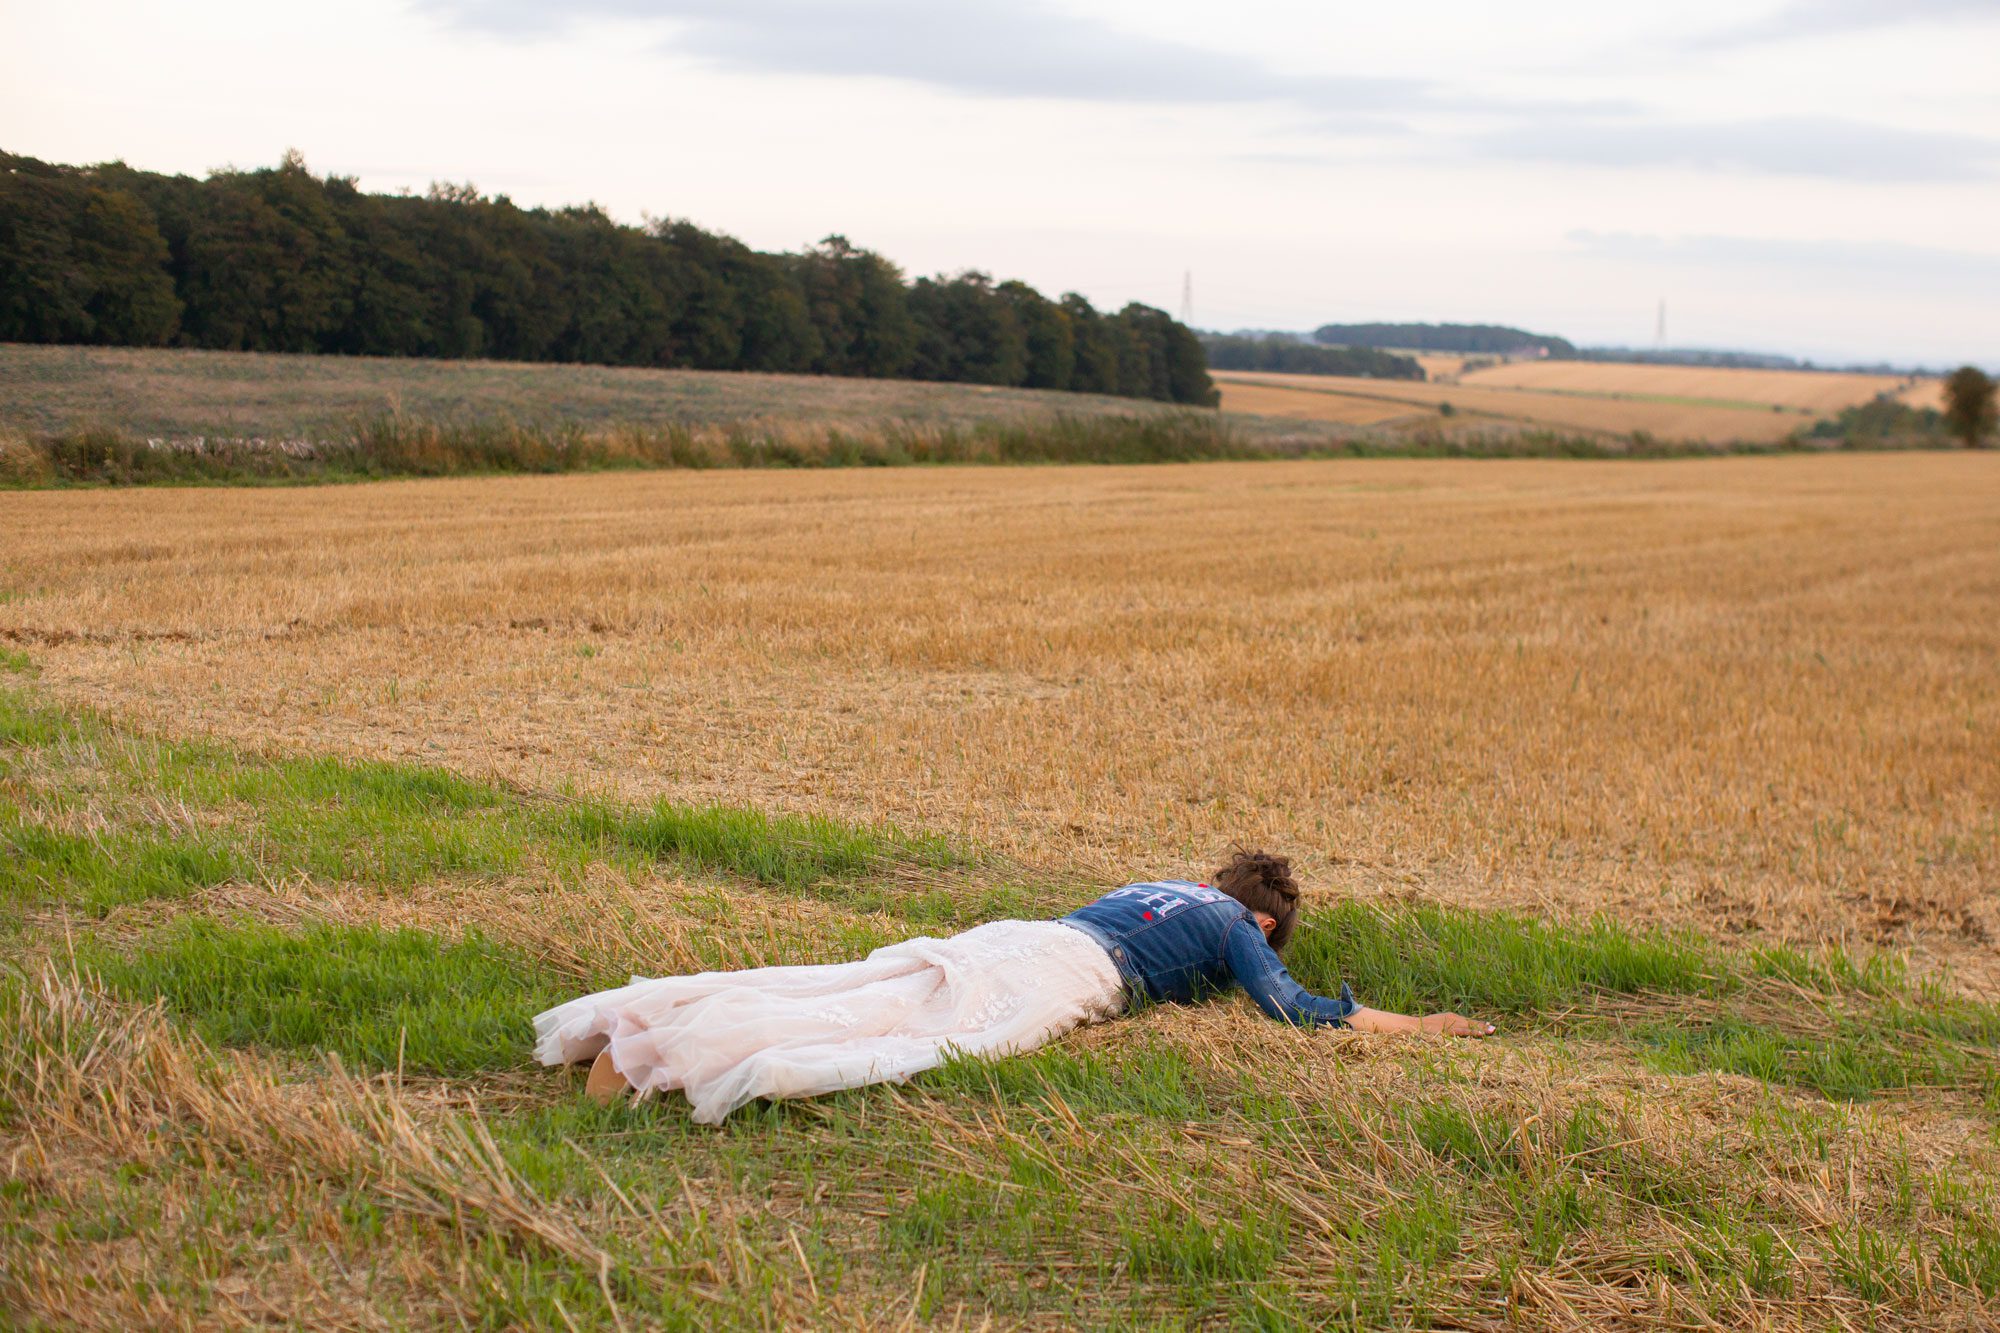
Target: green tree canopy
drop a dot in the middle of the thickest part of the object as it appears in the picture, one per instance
(80, 261)
(967, 332)
(281, 260)
(1969, 408)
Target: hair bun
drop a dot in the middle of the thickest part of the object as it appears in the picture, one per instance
(1263, 883)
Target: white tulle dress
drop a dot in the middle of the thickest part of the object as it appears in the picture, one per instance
(726, 1038)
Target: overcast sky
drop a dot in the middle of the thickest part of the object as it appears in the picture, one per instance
(1820, 178)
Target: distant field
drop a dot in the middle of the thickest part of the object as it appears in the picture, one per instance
(1823, 392)
(1924, 393)
(77, 415)
(1440, 364)
(1714, 406)
(1695, 420)
(181, 393)
(1305, 405)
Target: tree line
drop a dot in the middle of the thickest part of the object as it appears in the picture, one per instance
(1497, 339)
(281, 260)
(1286, 354)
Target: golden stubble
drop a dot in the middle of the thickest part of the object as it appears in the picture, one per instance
(1808, 390)
(1675, 417)
(1755, 696)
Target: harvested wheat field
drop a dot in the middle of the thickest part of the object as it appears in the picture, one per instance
(1685, 773)
(1816, 391)
(1668, 418)
(1924, 394)
(1306, 404)
(1439, 365)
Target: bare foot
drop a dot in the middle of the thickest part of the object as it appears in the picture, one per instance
(605, 1083)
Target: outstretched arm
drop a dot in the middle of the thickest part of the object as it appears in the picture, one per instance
(1257, 968)
(1451, 1025)
(1260, 972)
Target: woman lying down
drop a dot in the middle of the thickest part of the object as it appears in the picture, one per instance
(726, 1038)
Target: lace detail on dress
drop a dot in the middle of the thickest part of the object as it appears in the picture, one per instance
(996, 1010)
(728, 1037)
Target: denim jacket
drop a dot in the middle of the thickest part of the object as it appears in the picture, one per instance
(1175, 940)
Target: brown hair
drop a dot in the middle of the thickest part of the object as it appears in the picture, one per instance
(1263, 883)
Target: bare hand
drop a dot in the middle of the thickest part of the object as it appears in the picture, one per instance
(1455, 1025)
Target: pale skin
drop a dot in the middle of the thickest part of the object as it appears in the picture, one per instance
(1381, 1020)
(607, 1084)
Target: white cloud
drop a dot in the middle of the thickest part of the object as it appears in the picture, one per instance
(977, 47)
(1826, 146)
(1821, 18)
(1873, 263)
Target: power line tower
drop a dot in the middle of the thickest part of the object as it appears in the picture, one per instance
(1187, 297)
(1660, 327)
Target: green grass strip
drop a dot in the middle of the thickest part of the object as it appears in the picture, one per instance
(397, 824)
(1898, 1049)
(380, 999)
(397, 445)
(85, 838)
(98, 872)
(785, 851)
(1425, 958)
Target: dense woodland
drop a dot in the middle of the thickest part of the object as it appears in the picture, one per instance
(1497, 339)
(281, 260)
(1285, 353)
